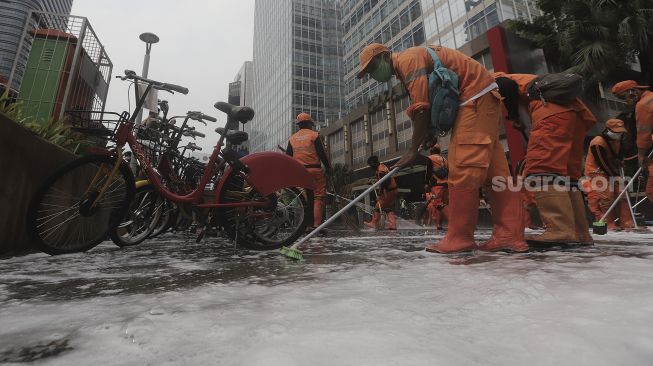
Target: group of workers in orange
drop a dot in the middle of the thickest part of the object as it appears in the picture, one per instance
(476, 156)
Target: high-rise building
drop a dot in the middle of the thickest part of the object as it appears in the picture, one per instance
(13, 16)
(455, 23)
(240, 93)
(246, 79)
(297, 68)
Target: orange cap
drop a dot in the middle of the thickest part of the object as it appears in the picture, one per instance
(368, 53)
(615, 125)
(304, 117)
(626, 85)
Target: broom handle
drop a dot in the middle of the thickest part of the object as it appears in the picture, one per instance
(344, 209)
(361, 206)
(632, 181)
(640, 202)
(632, 213)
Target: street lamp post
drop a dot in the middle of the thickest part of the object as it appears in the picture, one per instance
(149, 39)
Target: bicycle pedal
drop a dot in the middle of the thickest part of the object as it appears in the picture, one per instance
(125, 224)
(201, 234)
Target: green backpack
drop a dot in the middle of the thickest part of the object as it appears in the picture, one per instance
(561, 89)
(444, 96)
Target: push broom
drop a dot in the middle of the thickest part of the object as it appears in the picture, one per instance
(294, 253)
(600, 227)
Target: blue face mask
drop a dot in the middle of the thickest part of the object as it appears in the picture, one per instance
(383, 71)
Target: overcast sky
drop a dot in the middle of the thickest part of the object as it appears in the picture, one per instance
(203, 45)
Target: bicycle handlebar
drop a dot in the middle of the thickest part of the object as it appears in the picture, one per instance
(209, 118)
(129, 74)
(192, 146)
(199, 116)
(193, 133)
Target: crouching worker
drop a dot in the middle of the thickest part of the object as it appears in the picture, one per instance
(307, 147)
(555, 153)
(475, 153)
(438, 195)
(386, 196)
(602, 166)
(642, 99)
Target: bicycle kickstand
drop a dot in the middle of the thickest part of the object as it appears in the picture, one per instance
(236, 237)
(202, 231)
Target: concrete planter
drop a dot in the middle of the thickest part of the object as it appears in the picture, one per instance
(25, 161)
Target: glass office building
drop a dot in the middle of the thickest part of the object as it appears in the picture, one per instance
(297, 68)
(394, 23)
(13, 15)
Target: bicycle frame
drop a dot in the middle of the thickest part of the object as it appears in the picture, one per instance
(125, 136)
(268, 171)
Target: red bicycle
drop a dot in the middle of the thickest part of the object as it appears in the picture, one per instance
(258, 199)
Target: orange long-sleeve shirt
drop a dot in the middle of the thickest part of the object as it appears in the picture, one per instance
(413, 66)
(644, 118)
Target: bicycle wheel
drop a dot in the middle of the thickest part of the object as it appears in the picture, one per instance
(62, 217)
(141, 218)
(264, 228)
(163, 223)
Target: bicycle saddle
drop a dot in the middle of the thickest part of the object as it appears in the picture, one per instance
(240, 114)
(235, 137)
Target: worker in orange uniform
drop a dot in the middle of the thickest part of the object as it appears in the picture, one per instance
(604, 161)
(528, 199)
(638, 95)
(555, 150)
(438, 194)
(386, 196)
(475, 153)
(307, 147)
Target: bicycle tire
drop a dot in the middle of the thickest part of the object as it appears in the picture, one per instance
(84, 226)
(164, 221)
(249, 235)
(141, 218)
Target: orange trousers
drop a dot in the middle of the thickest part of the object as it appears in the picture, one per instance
(649, 183)
(319, 194)
(475, 153)
(556, 146)
(320, 182)
(600, 200)
(386, 200)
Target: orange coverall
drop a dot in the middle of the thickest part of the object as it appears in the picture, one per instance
(475, 154)
(388, 191)
(644, 118)
(557, 134)
(599, 164)
(438, 198)
(302, 147)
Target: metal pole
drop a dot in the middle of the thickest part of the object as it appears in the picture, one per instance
(146, 67)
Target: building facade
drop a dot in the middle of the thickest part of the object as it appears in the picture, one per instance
(244, 80)
(13, 16)
(297, 68)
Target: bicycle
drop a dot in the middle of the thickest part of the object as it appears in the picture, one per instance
(256, 198)
(148, 206)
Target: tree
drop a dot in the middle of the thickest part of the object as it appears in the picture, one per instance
(595, 38)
